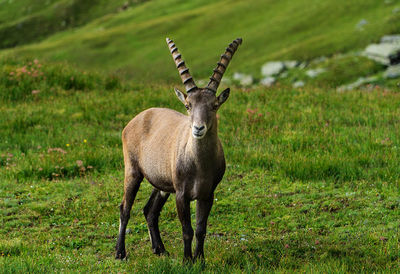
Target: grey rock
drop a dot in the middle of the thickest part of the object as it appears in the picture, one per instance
(319, 60)
(385, 53)
(298, 84)
(289, 64)
(312, 73)
(284, 74)
(272, 68)
(391, 39)
(392, 72)
(360, 25)
(360, 81)
(243, 79)
(303, 65)
(268, 81)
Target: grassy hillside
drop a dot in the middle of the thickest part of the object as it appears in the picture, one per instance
(132, 42)
(312, 178)
(23, 21)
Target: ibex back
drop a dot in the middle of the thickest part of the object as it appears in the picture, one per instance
(178, 154)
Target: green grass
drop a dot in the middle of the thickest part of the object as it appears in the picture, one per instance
(131, 43)
(338, 70)
(312, 181)
(23, 21)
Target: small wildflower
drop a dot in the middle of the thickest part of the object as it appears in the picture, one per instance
(67, 145)
(84, 140)
(79, 163)
(35, 91)
(286, 246)
(57, 149)
(251, 111)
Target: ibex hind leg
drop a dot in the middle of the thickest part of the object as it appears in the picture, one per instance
(152, 213)
(133, 178)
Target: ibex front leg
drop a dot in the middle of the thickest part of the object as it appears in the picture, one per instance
(183, 207)
(203, 208)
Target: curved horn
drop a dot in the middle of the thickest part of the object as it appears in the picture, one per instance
(187, 79)
(219, 71)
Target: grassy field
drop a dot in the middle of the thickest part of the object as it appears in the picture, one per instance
(312, 181)
(93, 35)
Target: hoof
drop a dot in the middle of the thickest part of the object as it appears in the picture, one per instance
(160, 251)
(120, 255)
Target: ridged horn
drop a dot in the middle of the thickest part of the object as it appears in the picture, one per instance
(219, 71)
(187, 79)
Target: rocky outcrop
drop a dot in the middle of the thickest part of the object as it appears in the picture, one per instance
(272, 68)
(268, 81)
(360, 81)
(312, 73)
(276, 67)
(392, 39)
(243, 79)
(392, 72)
(298, 84)
(387, 52)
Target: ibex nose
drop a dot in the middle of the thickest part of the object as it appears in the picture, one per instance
(198, 128)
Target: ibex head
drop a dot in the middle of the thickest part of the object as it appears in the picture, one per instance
(202, 103)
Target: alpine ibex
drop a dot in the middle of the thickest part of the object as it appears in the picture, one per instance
(176, 153)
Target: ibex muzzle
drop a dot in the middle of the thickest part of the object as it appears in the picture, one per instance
(177, 154)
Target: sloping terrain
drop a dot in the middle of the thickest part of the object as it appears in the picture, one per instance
(131, 42)
(311, 186)
(312, 180)
(23, 21)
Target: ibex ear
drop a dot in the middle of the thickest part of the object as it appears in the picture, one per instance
(223, 96)
(181, 95)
